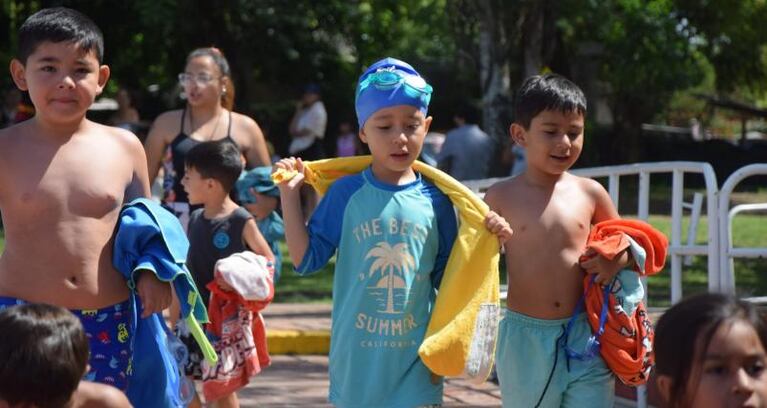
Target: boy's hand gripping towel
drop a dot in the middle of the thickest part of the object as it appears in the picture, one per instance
(460, 338)
(628, 335)
(148, 237)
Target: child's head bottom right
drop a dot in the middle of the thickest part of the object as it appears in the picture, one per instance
(710, 351)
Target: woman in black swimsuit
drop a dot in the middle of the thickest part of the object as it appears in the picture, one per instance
(207, 116)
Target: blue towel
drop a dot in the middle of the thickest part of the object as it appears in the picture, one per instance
(149, 237)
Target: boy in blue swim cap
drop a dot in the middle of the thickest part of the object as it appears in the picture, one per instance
(392, 231)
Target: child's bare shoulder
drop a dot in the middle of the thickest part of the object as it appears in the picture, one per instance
(13, 137)
(125, 138)
(590, 187)
(14, 131)
(502, 192)
(598, 197)
(504, 188)
(93, 395)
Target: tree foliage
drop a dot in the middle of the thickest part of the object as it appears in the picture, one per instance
(634, 53)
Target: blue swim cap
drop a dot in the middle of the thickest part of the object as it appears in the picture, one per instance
(390, 82)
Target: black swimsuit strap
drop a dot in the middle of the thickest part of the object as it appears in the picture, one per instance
(229, 128)
(183, 116)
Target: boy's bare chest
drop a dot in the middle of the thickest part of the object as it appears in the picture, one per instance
(563, 222)
(88, 183)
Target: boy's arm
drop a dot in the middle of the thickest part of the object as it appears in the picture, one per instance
(139, 185)
(255, 240)
(604, 209)
(155, 295)
(263, 206)
(604, 269)
(295, 230)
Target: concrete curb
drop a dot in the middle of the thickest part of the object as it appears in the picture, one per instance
(301, 342)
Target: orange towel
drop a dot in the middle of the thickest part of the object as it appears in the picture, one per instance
(627, 340)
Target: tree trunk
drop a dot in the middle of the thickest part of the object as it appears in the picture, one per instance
(493, 69)
(532, 41)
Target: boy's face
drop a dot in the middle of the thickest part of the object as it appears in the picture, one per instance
(63, 80)
(395, 137)
(195, 185)
(553, 142)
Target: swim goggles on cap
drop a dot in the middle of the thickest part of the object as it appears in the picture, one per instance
(389, 78)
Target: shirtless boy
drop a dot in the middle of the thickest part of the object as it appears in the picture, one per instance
(63, 180)
(551, 212)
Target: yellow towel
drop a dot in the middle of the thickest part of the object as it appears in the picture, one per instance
(460, 338)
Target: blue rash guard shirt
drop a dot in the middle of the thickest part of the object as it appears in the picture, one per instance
(392, 244)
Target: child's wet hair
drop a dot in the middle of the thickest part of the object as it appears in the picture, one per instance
(57, 25)
(44, 354)
(220, 160)
(547, 92)
(684, 333)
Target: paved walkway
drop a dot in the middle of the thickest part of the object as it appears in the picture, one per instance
(299, 338)
(302, 381)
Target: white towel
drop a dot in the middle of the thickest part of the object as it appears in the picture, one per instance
(250, 275)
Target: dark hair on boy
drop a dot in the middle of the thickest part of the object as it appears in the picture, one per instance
(59, 24)
(220, 160)
(547, 92)
(44, 354)
(690, 325)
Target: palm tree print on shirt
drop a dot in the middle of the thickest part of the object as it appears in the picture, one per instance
(393, 262)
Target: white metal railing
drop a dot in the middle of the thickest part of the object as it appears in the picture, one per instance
(726, 249)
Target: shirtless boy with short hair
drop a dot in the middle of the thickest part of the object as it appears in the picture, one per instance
(63, 180)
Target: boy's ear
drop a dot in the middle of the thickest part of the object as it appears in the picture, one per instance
(362, 136)
(104, 73)
(18, 72)
(427, 124)
(664, 383)
(518, 134)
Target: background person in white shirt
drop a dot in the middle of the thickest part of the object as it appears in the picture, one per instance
(307, 128)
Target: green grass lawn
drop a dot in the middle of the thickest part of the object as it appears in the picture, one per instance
(750, 274)
(293, 288)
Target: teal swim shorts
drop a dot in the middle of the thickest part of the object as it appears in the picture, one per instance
(534, 371)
